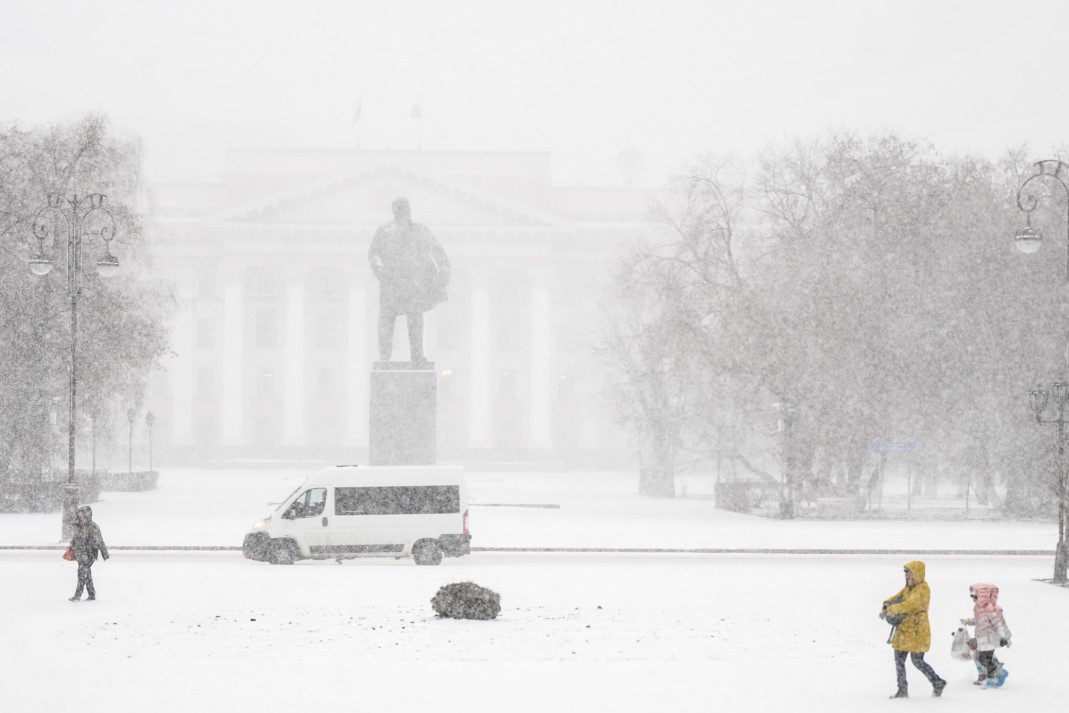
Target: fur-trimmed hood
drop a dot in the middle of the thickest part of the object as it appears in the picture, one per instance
(986, 598)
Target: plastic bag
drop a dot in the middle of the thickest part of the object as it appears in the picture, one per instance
(959, 645)
(69, 554)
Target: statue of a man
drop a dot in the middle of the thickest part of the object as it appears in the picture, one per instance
(413, 272)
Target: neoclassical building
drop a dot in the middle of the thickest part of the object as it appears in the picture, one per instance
(276, 327)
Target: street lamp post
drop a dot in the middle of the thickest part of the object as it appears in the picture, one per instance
(149, 420)
(73, 216)
(131, 414)
(1028, 240)
(1039, 397)
(789, 412)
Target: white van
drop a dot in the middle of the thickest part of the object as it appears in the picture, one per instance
(350, 511)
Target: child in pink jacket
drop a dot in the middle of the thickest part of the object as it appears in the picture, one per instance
(991, 632)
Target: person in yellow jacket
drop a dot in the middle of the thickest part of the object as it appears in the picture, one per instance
(908, 610)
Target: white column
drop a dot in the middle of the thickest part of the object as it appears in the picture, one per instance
(180, 371)
(296, 372)
(540, 427)
(479, 377)
(232, 388)
(357, 365)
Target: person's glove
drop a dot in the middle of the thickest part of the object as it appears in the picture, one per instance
(1004, 642)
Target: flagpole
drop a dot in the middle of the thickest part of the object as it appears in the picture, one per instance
(417, 114)
(357, 116)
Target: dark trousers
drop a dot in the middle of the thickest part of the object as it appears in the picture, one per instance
(917, 657)
(387, 320)
(85, 579)
(989, 663)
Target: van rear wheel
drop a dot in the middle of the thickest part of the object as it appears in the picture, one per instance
(427, 552)
(282, 553)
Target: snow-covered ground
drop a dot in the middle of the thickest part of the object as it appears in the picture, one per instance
(210, 631)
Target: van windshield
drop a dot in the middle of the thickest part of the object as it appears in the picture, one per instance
(287, 498)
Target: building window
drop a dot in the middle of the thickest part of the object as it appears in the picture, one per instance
(329, 285)
(326, 328)
(265, 382)
(206, 333)
(206, 430)
(326, 383)
(567, 337)
(510, 285)
(506, 384)
(205, 382)
(265, 283)
(207, 286)
(266, 328)
(448, 333)
(507, 340)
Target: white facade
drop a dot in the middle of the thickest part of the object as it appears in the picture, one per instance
(277, 325)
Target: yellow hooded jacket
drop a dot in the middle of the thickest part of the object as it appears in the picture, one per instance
(914, 633)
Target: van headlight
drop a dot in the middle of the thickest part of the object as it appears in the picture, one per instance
(261, 524)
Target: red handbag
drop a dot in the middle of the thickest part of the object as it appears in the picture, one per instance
(69, 554)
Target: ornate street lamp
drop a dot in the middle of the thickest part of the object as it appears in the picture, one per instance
(73, 213)
(1028, 240)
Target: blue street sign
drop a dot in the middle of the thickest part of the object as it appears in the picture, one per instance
(894, 447)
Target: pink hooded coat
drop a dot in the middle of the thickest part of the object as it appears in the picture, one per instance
(991, 629)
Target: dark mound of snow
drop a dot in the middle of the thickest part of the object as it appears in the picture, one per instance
(466, 600)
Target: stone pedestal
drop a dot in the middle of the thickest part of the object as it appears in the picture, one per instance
(404, 409)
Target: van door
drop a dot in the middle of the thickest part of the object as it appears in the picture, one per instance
(307, 521)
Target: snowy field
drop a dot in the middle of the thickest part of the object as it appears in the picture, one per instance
(210, 631)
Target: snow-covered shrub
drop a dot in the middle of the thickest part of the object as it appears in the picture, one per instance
(466, 600)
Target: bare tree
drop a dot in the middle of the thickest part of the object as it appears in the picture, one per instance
(121, 323)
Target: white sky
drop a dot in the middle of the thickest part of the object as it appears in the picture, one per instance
(580, 78)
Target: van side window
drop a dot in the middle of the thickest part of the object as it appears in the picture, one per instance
(397, 500)
(310, 503)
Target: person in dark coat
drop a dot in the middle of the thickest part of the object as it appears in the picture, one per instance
(413, 271)
(87, 543)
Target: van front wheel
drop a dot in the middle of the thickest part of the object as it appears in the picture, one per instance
(427, 552)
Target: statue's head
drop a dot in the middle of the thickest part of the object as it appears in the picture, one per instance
(401, 209)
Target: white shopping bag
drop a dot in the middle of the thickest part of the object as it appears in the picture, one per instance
(959, 646)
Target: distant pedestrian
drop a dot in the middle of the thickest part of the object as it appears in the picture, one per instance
(87, 543)
(908, 608)
(991, 633)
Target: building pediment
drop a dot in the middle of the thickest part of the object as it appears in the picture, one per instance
(363, 197)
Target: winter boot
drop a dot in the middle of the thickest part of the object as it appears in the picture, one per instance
(1001, 679)
(76, 598)
(900, 693)
(937, 687)
(980, 680)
